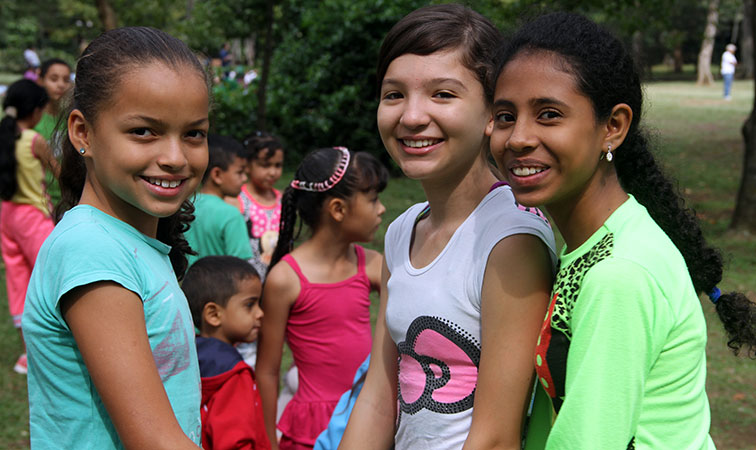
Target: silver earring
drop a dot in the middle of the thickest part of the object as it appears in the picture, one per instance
(609, 156)
(82, 150)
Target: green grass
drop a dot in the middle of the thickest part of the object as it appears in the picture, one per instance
(698, 138)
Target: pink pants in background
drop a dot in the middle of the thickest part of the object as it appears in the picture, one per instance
(23, 229)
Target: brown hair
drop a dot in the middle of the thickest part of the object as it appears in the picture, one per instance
(444, 27)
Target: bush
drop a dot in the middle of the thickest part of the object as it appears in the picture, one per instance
(322, 89)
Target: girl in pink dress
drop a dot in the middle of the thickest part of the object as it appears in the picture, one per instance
(318, 298)
(259, 202)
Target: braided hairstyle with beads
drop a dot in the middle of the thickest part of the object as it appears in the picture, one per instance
(363, 174)
(605, 73)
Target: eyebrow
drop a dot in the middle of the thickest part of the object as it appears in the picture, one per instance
(432, 81)
(536, 102)
(157, 123)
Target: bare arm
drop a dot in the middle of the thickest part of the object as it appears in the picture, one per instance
(371, 424)
(373, 267)
(107, 322)
(280, 291)
(515, 295)
(45, 155)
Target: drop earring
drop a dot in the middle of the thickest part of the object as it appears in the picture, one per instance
(609, 156)
(82, 150)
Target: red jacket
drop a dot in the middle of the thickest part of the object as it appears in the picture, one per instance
(231, 412)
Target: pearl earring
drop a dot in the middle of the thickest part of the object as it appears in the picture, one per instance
(82, 150)
(609, 156)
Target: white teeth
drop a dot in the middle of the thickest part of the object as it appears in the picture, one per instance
(420, 143)
(163, 183)
(525, 171)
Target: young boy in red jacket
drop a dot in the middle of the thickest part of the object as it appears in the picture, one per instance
(224, 297)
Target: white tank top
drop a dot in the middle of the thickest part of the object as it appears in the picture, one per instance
(433, 315)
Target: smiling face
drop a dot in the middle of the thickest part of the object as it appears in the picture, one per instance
(546, 138)
(432, 115)
(57, 81)
(147, 149)
(263, 173)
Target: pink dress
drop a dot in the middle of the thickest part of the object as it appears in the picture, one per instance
(329, 334)
(262, 225)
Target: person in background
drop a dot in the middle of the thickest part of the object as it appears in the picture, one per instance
(727, 69)
(26, 220)
(317, 295)
(224, 296)
(218, 228)
(55, 77)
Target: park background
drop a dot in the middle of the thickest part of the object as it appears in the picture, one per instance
(315, 86)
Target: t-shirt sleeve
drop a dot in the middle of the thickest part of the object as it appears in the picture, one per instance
(87, 256)
(235, 237)
(618, 325)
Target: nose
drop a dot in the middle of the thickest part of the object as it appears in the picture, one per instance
(172, 155)
(522, 137)
(414, 114)
(381, 208)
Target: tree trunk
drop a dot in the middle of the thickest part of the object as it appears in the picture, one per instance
(707, 46)
(267, 55)
(107, 14)
(744, 217)
(746, 41)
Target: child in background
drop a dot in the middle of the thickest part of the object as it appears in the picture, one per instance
(55, 77)
(467, 274)
(622, 349)
(218, 228)
(318, 297)
(224, 295)
(25, 221)
(109, 332)
(259, 201)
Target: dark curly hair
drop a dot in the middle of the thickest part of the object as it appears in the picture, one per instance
(364, 174)
(605, 73)
(98, 73)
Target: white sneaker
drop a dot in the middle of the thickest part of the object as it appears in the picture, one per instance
(21, 366)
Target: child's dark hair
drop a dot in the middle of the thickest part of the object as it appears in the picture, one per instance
(605, 73)
(49, 63)
(258, 141)
(214, 279)
(444, 27)
(22, 98)
(99, 70)
(364, 174)
(221, 152)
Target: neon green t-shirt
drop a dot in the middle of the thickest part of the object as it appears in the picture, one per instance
(622, 352)
(218, 229)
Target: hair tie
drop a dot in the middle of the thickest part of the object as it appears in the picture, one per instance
(714, 295)
(322, 186)
(11, 111)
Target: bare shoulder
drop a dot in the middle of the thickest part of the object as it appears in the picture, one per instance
(282, 283)
(373, 266)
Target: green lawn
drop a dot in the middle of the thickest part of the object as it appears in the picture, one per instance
(699, 140)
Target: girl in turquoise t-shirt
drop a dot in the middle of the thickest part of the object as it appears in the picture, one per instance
(112, 362)
(622, 351)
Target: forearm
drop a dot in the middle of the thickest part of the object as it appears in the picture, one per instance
(267, 383)
(371, 424)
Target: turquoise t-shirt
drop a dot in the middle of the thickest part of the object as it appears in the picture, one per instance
(218, 229)
(622, 352)
(88, 246)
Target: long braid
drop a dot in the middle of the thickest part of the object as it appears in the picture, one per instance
(286, 228)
